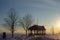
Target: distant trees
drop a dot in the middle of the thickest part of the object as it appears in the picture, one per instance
(26, 21)
(52, 29)
(10, 20)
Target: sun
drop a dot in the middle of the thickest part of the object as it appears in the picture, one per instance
(58, 23)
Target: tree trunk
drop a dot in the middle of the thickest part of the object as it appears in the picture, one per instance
(26, 34)
(12, 33)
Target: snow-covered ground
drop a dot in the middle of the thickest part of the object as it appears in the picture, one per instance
(8, 37)
(45, 37)
(22, 37)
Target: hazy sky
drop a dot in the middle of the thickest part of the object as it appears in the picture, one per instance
(44, 12)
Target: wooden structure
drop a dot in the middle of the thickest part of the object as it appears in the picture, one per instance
(37, 30)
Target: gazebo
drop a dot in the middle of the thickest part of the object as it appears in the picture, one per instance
(37, 30)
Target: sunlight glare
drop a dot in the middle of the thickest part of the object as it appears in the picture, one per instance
(58, 23)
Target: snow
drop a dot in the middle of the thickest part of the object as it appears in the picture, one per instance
(38, 37)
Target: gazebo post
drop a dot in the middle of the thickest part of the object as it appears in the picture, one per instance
(37, 31)
(42, 32)
(31, 31)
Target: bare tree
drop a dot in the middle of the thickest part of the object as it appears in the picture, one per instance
(11, 20)
(26, 22)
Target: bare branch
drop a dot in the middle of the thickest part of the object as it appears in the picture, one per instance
(11, 20)
(26, 22)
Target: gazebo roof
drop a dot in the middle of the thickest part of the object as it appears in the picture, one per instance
(36, 27)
